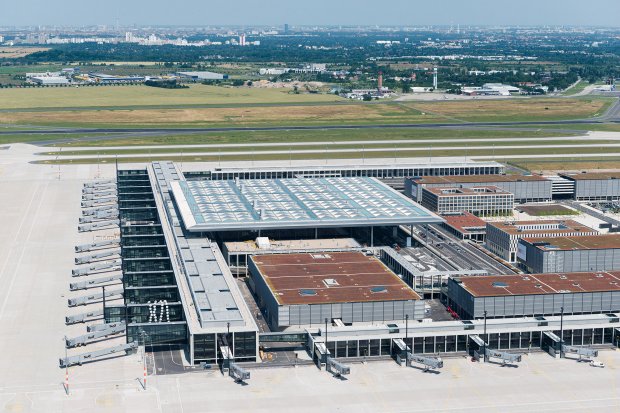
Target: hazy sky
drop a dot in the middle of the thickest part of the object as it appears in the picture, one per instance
(309, 12)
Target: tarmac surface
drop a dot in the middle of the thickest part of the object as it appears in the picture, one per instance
(40, 210)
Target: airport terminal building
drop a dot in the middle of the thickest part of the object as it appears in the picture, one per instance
(178, 287)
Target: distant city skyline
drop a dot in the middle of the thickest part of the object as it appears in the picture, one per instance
(316, 12)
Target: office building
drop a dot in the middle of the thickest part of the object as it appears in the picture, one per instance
(479, 200)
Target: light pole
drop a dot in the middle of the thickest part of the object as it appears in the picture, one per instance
(407, 332)
(326, 335)
(228, 342)
(484, 353)
(144, 357)
(561, 329)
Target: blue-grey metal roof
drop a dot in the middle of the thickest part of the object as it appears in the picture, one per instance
(294, 203)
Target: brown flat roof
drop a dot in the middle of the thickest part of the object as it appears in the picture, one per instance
(465, 222)
(592, 176)
(585, 242)
(567, 226)
(477, 190)
(456, 179)
(533, 284)
(300, 278)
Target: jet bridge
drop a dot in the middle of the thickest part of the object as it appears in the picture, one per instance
(238, 373)
(99, 216)
(106, 266)
(88, 299)
(99, 195)
(99, 183)
(85, 285)
(479, 349)
(105, 326)
(100, 256)
(337, 368)
(94, 336)
(96, 188)
(504, 357)
(95, 210)
(587, 352)
(96, 226)
(84, 317)
(98, 245)
(99, 202)
(429, 363)
(93, 355)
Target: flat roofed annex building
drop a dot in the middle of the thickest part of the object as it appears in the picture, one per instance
(503, 237)
(305, 289)
(570, 253)
(479, 200)
(595, 186)
(535, 295)
(525, 188)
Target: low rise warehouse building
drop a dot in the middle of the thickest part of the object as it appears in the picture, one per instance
(534, 295)
(503, 237)
(525, 188)
(479, 200)
(570, 254)
(306, 289)
(595, 186)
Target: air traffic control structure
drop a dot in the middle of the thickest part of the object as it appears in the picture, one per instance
(178, 287)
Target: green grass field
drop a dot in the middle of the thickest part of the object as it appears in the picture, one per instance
(335, 147)
(325, 135)
(144, 96)
(497, 154)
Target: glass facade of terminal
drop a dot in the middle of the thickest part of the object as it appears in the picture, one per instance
(152, 306)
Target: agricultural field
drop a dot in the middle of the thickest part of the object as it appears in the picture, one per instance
(18, 52)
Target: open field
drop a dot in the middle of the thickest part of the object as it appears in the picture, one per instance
(322, 154)
(568, 164)
(578, 88)
(17, 52)
(298, 136)
(435, 145)
(516, 109)
(254, 112)
(113, 96)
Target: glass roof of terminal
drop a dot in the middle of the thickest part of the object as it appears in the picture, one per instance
(295, 203)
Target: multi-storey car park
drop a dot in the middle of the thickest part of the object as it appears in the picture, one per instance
(479, 200)
(570, 253)
(502, 238)
(525, 188)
